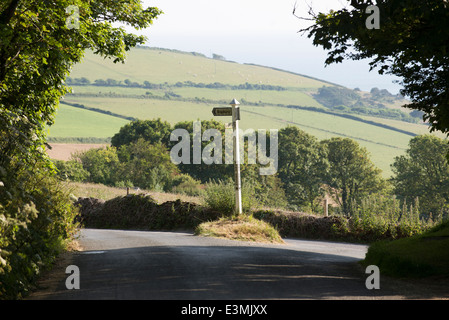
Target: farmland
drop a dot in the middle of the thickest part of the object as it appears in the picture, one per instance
(177, 86)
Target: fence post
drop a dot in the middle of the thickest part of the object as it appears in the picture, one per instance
(326, 207)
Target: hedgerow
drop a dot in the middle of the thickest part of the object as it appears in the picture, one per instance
(36, 222)
(142, 212)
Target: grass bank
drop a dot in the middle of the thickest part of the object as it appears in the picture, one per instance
(243, 227)
(419, 256)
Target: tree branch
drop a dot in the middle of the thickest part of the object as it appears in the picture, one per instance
(8, 13)
(360, 4)
(310, 12)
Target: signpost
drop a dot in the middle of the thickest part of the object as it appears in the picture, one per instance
(234, 111)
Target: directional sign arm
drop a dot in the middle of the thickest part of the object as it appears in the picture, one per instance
(219, 112)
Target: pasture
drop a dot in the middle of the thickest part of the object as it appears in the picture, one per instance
(260, 109)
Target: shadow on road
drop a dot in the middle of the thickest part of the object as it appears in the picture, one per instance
(220, 273)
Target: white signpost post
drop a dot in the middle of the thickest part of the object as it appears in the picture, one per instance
(234, 111)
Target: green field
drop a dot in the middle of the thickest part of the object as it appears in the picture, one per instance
(159, 66)
(74, 122)
(260, 109)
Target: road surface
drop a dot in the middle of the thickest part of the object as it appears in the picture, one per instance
(123, 265)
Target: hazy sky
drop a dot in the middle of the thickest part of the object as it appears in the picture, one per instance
(256, 31)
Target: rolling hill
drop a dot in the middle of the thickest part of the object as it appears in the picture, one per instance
(177, 86)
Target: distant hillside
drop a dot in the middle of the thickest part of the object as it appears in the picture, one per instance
(178, 86)
(161, 65)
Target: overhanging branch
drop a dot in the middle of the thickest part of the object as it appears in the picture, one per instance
(8, 13)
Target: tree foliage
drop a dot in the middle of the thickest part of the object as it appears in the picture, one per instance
(423, 173)
(412, 43)
(302, 166)
(37, 52)
(102, 164)
(153, 131)
(351, 173)
(147, 165)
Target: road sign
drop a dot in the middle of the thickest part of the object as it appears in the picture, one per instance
(225, 111)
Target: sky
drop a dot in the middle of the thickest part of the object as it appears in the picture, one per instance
(263, 32)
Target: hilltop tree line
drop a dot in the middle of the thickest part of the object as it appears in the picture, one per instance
(336, 99)
(308, 170)
(351, 101)
(83, 81)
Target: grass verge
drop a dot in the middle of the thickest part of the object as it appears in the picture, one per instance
(419, 256)
(243, 228)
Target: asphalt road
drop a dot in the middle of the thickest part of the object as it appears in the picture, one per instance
(124, 265)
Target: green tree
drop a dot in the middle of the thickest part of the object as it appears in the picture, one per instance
(154, 131)
(351, 174)
(37, 52)
(71, 170)
(101, 164)
(38, 48)
(147, 165)
(302, 166)
(411, 43)
(205, 172)
(423, 173)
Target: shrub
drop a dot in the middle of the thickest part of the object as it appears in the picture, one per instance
(382, 217)
(71, 170)
(101, 163)
(185, 184)
(36, 220)
(220, 196)
(303, 225)
(422, 255)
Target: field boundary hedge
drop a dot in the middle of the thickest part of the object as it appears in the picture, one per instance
(142, 212)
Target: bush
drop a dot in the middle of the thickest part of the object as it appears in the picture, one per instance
(71, 170)
(418, 256)
(185, 184)
(382, 217)
(378, 217)
(220, 196)
(35, 223)
(101, 163)
(303, 225)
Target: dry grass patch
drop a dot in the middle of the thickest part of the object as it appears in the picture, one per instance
(243, 228)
